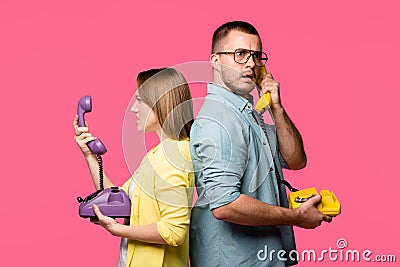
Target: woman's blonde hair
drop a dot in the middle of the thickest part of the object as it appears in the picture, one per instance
(166, 91)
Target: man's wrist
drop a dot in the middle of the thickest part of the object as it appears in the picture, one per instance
(277, 107)
(288, 216)
(277, 111)
(295, 217)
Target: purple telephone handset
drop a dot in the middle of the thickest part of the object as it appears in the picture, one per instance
(85, 105)
(112, 202)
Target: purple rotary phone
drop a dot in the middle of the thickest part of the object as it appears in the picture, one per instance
(112, 202)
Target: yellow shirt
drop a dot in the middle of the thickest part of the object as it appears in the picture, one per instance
(162, 193)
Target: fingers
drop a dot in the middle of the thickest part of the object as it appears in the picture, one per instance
(97, 212)
(79, 130)
(327, 218)
(314, 200)
(94, 220)
(99, 215)
(268, 84)
(311, 217)
(269, 75)
(104, 221)
(83, 135)
(84, 138)
(75, 122)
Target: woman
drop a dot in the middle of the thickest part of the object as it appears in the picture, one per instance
(161, 189)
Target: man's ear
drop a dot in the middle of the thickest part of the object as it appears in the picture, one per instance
(214, 59)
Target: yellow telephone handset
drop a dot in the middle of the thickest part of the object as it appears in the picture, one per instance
(265, 100)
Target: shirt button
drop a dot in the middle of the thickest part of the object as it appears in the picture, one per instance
(270, 169)
(264, 143)
(248, 106)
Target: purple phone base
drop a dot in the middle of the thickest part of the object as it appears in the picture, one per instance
(112, 202)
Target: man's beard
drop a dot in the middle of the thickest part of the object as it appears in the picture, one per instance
(234, 80)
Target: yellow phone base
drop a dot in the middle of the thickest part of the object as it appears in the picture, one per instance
(329, 204)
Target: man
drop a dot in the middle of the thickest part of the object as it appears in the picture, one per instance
(242, 213)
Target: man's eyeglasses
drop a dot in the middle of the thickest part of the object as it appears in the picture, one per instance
(242, 55)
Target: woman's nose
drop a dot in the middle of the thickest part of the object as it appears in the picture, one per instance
(134, 107)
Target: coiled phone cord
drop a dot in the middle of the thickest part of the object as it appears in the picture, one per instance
(278, 176)
(101, 180)
(100, 160)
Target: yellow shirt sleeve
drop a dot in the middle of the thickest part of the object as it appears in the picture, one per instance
(174, 192)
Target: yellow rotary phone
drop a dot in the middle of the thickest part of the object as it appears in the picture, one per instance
(329, 204)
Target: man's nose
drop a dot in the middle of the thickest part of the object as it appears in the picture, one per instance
(250, 62)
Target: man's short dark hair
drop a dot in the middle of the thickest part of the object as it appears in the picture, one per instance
(226, 28)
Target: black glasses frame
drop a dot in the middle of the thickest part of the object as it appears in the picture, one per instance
(264, 56)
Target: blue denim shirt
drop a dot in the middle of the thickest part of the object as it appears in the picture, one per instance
(231, 156)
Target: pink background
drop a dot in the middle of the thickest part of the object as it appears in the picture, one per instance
(337, 63)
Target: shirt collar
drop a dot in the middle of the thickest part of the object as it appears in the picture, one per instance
(237, 101)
